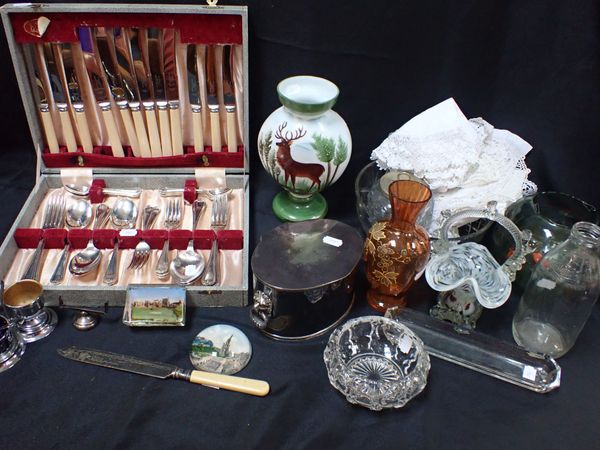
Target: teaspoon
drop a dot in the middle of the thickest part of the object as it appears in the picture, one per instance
(187, 266)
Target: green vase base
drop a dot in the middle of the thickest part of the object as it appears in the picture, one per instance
(381, 302)
(292, 209)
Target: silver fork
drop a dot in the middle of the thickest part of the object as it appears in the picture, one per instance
(218, 221)
(141, 253)
(172, 220)
(54, 216)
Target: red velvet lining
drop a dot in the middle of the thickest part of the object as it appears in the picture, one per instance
(129, 242)
(155, 238)
(231, 239)
(102, 157)
(189, 190)
(194, 28)
(105, 239)
(179, 239)
(97, 191)
(55, 237)
(28, 237)
(79, 238)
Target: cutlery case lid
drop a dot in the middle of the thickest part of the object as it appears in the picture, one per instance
(31, 23)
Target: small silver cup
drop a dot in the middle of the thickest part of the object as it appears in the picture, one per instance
(24, 304)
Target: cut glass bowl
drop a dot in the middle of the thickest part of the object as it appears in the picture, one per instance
(376, 362)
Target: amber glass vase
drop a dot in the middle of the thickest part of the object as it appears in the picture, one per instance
(397, 249)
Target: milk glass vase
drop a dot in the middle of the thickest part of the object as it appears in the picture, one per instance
(561, 293)
(304, 146)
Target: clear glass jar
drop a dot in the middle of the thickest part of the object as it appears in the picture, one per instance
(561, 293)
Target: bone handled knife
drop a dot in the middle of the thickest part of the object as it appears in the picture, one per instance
(120, 88)
(156, 58)
(229, 98)
(64, 56)
(194, 97)
(212, 99)
(164, 371)
(171, 88)
(130, 44)
(44, 108)
(95, 72)
(60, 98)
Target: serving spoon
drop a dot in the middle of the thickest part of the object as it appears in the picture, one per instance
(88, 259)
(84, 191)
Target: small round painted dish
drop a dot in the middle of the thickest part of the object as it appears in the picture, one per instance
(221, 349)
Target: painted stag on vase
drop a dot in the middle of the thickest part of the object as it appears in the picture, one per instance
(292, 168)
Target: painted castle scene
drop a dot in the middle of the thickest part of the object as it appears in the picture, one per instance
(221, 349)
(155, 306)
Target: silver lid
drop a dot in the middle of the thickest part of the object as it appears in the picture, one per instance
(306, 255)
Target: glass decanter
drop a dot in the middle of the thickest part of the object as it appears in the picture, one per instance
(466, 273)
(561, 293)
(397, 249)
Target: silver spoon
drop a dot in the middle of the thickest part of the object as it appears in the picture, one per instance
(88, 259)
(79, 214)
(124, 213)
(187, 266)
(84, 191)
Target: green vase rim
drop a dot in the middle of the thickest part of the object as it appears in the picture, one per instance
(293, 91)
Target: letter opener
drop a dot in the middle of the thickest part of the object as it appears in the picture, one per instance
(163, 371)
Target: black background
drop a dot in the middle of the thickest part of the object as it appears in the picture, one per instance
(527, 66)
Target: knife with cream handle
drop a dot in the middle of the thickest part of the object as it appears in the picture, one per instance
(96, 76)
(44, 108)
(212, 99)
(229, 98)
(163, 371)
(128, 44)
(171, 88)
(194, 97)
(60, 98)
(64, 57)
(120, 88)
(156, 59)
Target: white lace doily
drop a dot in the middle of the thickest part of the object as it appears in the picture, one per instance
(467, 163)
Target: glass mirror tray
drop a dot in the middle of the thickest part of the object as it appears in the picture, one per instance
(480, 352)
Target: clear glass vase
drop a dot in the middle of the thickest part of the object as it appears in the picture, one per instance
(559, 297)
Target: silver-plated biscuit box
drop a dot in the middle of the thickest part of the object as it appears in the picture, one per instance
(139, 119)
